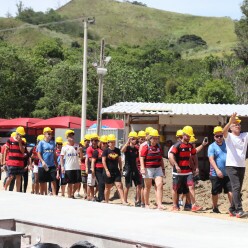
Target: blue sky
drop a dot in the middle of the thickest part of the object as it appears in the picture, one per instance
(218, 8)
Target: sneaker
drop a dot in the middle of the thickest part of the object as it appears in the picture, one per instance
(216, 210)
(180, 203)
(241, 214)
(196, 208)
(187, 207)
(137, 204)
(232, 213)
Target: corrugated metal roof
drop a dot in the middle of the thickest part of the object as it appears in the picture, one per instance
(141, 108)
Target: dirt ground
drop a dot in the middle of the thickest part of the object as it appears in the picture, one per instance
(203, 197)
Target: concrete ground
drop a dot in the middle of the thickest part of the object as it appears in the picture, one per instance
(150, 226)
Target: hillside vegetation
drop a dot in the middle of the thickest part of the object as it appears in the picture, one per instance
(131, 24)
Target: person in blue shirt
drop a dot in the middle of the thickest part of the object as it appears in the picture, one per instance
(48, 162)
(218, 177)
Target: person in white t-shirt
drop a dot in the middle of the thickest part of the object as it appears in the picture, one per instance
(70, 166)
(236, 145)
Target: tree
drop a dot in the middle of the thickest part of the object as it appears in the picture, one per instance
(241, 29)
(217, 91)
(17, 80)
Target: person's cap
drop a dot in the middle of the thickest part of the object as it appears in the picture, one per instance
(13, 134)
(148, 130)
(141, 134)
(188, 130)
(47, 130)
(154, 133)
(104, 139)
(111, 137)
(218, 129)
(94, 136)
(21, 131)
(179, 133)
(67, 132)
(87, 137)
(59, 140)
(40, 137)
(133, 135)
(237, 120)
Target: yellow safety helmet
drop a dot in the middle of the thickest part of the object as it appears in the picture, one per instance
(65, 143)
(218, 129)
(59, 140)
(24, 140)
(188, 130)
(148, 130)
(179, 133)
(67, 132)
(133, 134)
(13, 134)
(111, 137)
(154, 133)
(21, 131)
(192, 139)
(104, 139)
(47, 130)
(141, 134)
(40, 137)
(82, 142)
(237, 120)
(87, 137)
(94, 136)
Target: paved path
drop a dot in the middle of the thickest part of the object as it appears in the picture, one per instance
(150, 226)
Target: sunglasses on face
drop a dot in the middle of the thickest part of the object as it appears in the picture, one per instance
(95, 140)
(218, 136)
(49, 134)
(104, 143)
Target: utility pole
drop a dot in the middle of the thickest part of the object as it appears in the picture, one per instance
(100, 88)
(84, 82)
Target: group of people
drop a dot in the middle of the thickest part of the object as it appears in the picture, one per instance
(97, 165)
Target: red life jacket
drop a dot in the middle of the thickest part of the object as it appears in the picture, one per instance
(98, 163)
(15, 156)
(153, 157)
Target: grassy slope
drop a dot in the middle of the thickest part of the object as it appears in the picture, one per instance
(126, 23)
(28, 36)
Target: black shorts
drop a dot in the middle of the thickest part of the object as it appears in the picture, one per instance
(73, 176)
(220, 184)
(115, 177)
(183, 189)
(47, 176)
(15, 170)
(132, 176)
(181, 182)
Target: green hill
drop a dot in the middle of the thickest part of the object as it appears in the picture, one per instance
(132, 24)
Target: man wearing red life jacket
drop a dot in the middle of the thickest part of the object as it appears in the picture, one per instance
(152, 167)
(180, 156)
(15, 162)
(84, 144)
(97, 167)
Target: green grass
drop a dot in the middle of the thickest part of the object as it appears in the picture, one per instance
(26, 35)
(124, 23)
(131, 24)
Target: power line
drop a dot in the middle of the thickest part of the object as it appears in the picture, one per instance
(41, 25)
